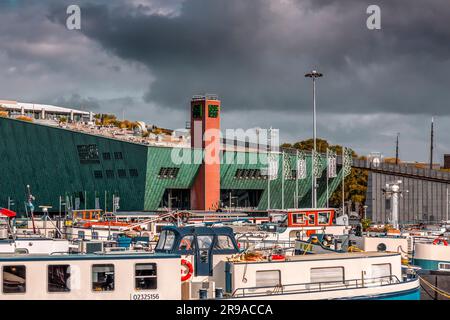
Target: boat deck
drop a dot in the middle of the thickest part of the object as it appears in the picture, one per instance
(328, 256)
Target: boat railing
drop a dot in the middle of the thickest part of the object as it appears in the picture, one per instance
(316, 286)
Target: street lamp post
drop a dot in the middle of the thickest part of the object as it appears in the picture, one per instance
(314, 74)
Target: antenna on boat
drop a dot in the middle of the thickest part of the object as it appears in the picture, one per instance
(30, 205)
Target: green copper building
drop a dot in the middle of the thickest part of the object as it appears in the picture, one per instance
(87, 170)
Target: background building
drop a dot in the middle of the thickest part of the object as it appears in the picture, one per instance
(424, 194)
(87, 169)
(43, 111)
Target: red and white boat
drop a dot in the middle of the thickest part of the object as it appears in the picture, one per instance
(285, 226)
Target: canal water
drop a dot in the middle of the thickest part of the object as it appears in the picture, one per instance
(442, 281)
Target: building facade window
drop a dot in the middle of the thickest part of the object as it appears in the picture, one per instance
(133, 173)
(106, 156)
(14, 279)
(122, 173)
(293, 175)
(197, 111)
(88, 154)
(249, 174)
(103, 277)
(98, 174)
(58, 277)
(168, 173)
(213, 111)
(145, 276)
(118, 155)
(109, 174)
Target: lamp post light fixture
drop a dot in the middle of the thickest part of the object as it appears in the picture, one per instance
(314, 74)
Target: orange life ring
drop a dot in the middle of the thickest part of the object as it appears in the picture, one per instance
(190, 269)
(439, 240)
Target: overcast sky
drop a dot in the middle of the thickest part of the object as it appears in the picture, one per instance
(146, 58)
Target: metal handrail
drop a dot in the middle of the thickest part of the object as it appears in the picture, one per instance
(317, 286)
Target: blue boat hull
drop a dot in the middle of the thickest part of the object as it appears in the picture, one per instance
(402, 295)
(428, 264)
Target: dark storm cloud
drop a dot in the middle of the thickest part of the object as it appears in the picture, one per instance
(77, 101)
(254, 53)
(44, 62)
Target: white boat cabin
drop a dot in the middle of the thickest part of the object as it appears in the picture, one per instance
(102, 276)
(362, 275)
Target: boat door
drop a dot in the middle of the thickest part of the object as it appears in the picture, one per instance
(203, 255)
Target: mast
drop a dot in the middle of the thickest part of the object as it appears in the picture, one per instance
(396, 149)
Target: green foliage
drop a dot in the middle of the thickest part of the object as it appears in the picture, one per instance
(366, 224)
(105, 119)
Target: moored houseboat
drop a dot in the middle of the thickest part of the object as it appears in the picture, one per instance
(99, 276)
(214, 263)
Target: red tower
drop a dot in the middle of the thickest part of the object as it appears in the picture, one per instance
(205, 137)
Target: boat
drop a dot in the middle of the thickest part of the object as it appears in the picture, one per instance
(433, 259)
(96, 276)
(217, 268)
(433, 256)
(213, 267)
(331, 276)
(13, 242)
(286, 226)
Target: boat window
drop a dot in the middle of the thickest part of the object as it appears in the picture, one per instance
(187, 243)
(81, 235)
(161, 240)
(268, 278)
(14, 279)
(324, 218)
(145, 276)
(311, 219)
(204, 242)
(299, 218)
(380, 271)
(166, 240)
(444, 266)
(329, 275)
(94, 235)
(170, 239)
(21, 251)
(224, 243)
(58, 278)
(103, 277)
